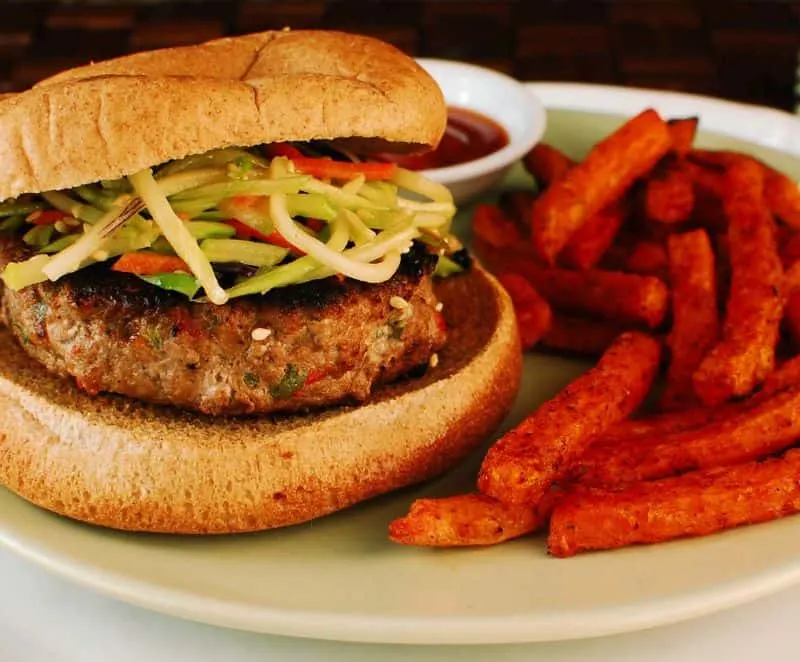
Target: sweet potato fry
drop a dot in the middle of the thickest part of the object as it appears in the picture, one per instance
(491, 225)
(590, 242)
(659, 424)
(682, 130)
(782, 196)
(580, 335)
(695, 318)
(784, 377)
(749, 433)
(781, 193)
(466, 520)
(746, 353)
(669, 192)
(546, 164)
(592, 239)
(791, 317)
(609, 169)
(521, 467)
(517, 205)
(695, 504)
(708, 188)
(647, 258)
(533, 312)
(789, 249)
(625, 299)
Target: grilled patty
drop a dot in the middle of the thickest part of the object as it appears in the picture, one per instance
(306, 346)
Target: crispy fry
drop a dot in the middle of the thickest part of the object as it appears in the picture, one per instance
(746, 353)
(590, 242)
(695, 318)
(466, 520)
(785, 376)
(682, 130)
(782, 196)
(647, 258)
(580, 335)
(660, 424)
(585, 248)
(695, 504)
(517, 205)
(791, 317)
(625, 299)
(708, 188)
(546, 164)
(790, 249)
(524, 463)
(669, 192)
(610, 168)
(491, 225)
(746, 433)
(533, 312)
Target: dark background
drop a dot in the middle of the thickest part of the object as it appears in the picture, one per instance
(740, 50)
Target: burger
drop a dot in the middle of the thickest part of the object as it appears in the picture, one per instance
(224, 311)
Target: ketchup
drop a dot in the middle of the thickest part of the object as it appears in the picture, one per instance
(469, 136)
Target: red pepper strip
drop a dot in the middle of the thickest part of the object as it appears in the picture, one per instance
(149, 264)
(314, 375)
(46, 217)
(326, 168)
(282, 149)
(440, 322)
(315, 224)
(329, 169)
(244, 231)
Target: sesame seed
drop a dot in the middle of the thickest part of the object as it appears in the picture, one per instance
(61, 227)
(439, 307)
(398, 302)
(260, 334)
(434, 360)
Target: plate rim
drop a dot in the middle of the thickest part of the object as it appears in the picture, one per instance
(456, 630)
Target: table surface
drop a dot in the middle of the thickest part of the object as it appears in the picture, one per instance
(45, 618)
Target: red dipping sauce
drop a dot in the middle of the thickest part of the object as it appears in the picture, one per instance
(469, 136)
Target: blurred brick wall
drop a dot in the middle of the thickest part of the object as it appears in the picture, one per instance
(745, 50)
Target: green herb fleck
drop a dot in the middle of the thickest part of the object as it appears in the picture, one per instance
(447, 267)
(240, 167)
(153, 336)
(293, 380)
(22, 334)
(251, 380)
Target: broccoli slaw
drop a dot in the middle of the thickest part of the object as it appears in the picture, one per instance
(283, 219)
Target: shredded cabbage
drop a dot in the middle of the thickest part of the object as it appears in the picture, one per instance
(252, 211)
(177, 234)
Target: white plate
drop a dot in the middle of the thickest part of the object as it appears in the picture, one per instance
(339, 578)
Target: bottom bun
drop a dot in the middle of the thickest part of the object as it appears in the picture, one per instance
(123, 464)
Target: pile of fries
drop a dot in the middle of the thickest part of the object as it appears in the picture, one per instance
(660, 259)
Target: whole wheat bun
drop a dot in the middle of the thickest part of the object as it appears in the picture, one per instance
(111, 119)
(123, 464)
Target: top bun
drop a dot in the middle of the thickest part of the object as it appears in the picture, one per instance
(113, 118)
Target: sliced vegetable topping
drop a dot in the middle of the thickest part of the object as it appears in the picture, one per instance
(149, 264)
(296, 216)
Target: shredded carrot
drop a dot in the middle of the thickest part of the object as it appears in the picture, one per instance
(149, 264)
(329, 169)
(282, 149)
